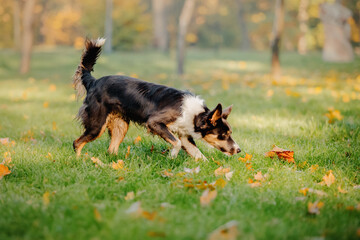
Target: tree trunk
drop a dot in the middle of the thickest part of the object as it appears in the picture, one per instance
(276, 38)
(303, 18)
(337, 46)
(108, 26)
(17, 24)
(184, 20)
(27, 38)
(245, 41)
(161, 34)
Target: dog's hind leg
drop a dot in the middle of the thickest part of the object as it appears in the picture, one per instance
(117, 130)
(188, 144)
(162, 130)
(93, 130)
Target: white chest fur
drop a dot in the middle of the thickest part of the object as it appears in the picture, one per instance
(184, 125)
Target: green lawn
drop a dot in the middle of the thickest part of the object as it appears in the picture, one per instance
(50, 194)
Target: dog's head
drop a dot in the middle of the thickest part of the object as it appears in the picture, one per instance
(216, 131)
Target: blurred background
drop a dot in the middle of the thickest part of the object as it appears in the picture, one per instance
(169, 25)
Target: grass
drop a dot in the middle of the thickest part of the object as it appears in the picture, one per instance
(52, 195)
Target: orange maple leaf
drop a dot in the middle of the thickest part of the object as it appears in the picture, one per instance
(328, 179)
(4, 170)
(304, 191)
(246, 158)
(118, 165)
(137, 140)
(281, 153)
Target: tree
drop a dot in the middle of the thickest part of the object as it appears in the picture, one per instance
(245, 41)
(337, 47)
(16, 24)
(160, 23)
(303, 17)
(276, 38)
(184, 20)
(108, 26)
(27, 36)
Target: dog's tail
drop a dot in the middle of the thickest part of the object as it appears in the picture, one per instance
(82, 80)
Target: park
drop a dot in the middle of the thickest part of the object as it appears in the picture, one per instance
(295, 116)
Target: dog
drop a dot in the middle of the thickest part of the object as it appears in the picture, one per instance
(113, 101)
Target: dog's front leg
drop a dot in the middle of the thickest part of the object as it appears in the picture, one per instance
(189, 146)
(162, 130)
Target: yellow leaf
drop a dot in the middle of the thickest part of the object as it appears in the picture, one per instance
(328, 179)
(333, 115)
(128, 152)
(207, 197)
(46, 198)
(129, 196)
(220, 183)
(228, 231)
(4, 170)
(313, 168)
(52, 88)
(167, 173)
(54, 127)
(304, 191)
(254, 184)
(137, 140)
(342, 190)
(269, 93)
(246, 158)
(97, 215)
(46, 104)
(314, 208)
(118, 165)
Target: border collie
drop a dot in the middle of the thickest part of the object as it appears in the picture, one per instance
(113, 101)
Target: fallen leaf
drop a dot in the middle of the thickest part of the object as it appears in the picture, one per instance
(342, 190)
(137, 140)
(249, 166)
(128, 152)
(254, 184)
(246, 158)
(97, 162)
(7, 159)
(304, 191)
(281, 153)
(135, 209)
(328, 179)
(4, 170)
(52, 88)
(46, 198)
(192, 170)
(229, 175)
(228, 231)
(258, 176)
(46, 104)
(314, 208)
(129, 196)
(317, 192)
(207, 197)
(165, 173)
(221, 171)
(156, 234)
(118, 165)
(333, 115)
(7, 142)
(313, 168)
(166, 205)
(149, 215)
(97, 215)
(220, 183)
(54, 127)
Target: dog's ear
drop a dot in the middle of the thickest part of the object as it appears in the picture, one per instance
(226, 112)
(215, 114)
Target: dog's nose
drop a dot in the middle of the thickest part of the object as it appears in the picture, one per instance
(238, 150)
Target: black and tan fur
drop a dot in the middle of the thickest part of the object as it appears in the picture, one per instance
(177, 116)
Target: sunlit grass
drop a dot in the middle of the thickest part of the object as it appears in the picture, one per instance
(289, 113)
